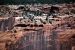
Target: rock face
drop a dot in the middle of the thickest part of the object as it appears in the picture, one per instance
(6, 24)
(50, 37)
(27, 35)
(40, 38)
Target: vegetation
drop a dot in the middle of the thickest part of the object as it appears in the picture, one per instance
(34, 1)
